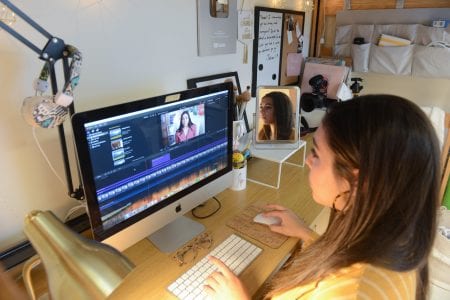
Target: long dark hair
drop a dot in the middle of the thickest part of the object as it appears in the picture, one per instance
(389, 219)
(180, 128)
(284, 120)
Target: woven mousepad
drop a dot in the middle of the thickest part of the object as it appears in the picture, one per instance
(244, 224)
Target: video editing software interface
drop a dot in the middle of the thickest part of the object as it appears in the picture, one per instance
(140, 159)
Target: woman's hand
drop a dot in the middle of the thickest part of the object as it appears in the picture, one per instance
(223, 284)
(290, 225)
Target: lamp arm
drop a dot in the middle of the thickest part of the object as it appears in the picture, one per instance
(19, 37)
(54, 49)
(73, 193)
(27, 19)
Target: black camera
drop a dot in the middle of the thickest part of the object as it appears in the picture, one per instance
(358, 41)
(319, 84)
(318, 97)
(356, 86)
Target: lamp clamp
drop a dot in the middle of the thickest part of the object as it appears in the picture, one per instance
(53, 50)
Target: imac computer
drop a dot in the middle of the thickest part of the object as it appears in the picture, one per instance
(145, 163)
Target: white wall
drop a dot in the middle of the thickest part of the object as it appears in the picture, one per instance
(132, 49)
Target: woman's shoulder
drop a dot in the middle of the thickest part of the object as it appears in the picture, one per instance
(358, 281)
(366, 279)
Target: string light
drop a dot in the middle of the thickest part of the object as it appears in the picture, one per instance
(308, 5)
(6, 15)
(279, 3)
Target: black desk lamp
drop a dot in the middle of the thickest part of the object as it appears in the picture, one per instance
(54, 50)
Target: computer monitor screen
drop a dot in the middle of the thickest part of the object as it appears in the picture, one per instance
(145, 163)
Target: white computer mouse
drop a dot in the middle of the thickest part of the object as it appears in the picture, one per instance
(260, 218)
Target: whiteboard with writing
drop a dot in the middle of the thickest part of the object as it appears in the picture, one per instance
(269, 48)
(278, 36)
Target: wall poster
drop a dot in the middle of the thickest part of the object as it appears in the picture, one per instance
(216, 27)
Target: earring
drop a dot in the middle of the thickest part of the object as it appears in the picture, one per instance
(337, 197)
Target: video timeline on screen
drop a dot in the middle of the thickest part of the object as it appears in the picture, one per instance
(150, 187)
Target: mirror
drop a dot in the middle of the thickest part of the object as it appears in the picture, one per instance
(277, 116)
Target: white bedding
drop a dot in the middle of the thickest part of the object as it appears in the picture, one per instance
(437, 117)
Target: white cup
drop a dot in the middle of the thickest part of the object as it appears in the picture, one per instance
(239, 178)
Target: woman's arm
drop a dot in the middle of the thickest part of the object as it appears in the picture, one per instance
(291, 225)
(223, 284)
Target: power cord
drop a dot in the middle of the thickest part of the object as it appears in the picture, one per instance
(71, 212)
(45, 156)
(219, 205)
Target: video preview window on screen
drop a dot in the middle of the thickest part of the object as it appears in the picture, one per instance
(144, 158)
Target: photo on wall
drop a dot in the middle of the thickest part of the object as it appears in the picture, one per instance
(239, 112)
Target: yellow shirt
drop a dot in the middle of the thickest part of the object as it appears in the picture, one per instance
(358, 281)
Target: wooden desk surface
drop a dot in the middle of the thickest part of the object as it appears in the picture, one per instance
(156, 270)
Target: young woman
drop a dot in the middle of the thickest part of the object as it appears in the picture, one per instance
(186, 130)
(276, 116)
(375, 162)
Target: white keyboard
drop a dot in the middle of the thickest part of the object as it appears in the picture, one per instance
(235, 252)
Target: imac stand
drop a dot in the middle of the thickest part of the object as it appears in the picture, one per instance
(175, 234)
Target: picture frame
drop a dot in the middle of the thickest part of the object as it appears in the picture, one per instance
(273, 127)
(277, 47)
(239, 113)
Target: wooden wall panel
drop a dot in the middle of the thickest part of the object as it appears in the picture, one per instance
(332, 6)
(372, 4)
(313, 34)
(427, 4)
